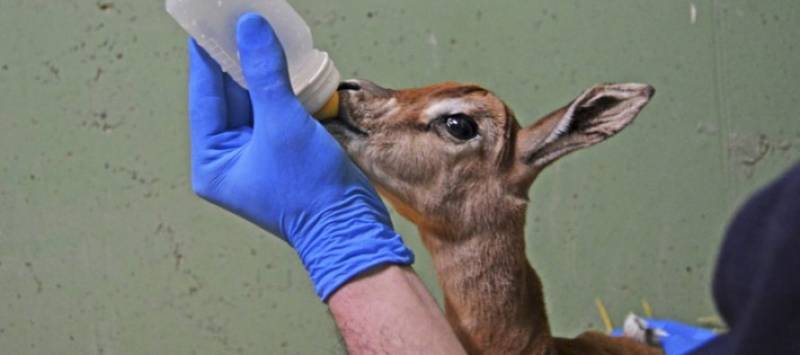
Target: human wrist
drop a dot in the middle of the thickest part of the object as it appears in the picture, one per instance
(352, 236)
(335, 259)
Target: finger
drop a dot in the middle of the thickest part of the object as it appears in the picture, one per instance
(240, 111)
(265, 68)
(207, 112)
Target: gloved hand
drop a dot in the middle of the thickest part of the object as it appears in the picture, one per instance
(261, 156)
(680, 338)
(675, 338)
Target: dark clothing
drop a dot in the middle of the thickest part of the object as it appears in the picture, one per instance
(757, 279)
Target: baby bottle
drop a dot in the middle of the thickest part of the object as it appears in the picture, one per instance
(212, 23)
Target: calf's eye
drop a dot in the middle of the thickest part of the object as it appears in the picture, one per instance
(461, 127)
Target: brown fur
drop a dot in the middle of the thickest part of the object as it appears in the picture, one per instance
(469, 199)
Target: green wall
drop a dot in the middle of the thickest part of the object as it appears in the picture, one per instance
(104, 250)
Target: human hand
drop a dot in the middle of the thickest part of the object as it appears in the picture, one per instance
(679, 338)
(675, 338)
(261, 156)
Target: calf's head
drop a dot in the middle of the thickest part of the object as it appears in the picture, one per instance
(451, 156)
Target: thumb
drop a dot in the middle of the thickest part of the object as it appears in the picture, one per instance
(263, 63)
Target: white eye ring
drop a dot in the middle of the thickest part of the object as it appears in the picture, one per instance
(448, 107)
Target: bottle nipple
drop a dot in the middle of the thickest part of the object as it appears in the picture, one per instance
(330, 109)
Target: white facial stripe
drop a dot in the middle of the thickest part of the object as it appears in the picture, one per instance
(389, 108)
(386, 105)
(448, 107)
(389, 105)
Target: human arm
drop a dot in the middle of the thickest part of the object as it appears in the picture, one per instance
(259, 155)
(389, 311)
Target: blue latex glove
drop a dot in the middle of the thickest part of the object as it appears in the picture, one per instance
(261, 156)
(680, 338)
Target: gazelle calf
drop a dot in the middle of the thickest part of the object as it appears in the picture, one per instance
(453, 159)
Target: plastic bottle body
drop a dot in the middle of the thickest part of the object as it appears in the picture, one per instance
(213, 25)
